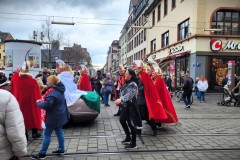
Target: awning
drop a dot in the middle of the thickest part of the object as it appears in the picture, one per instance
(160, 60)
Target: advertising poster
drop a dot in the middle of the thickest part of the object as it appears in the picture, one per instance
(172, 72)
(34, 60)
(9, 60)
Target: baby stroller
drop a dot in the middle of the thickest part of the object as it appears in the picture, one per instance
(229, 97)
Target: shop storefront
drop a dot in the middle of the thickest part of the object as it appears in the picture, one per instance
(215, 62)
(176, 65)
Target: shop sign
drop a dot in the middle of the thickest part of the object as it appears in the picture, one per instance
(176, 49)
(216, 45)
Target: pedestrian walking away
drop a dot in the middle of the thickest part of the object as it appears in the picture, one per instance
(187, 90)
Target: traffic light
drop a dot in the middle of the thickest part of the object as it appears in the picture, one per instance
(42, 35)
(34, 34)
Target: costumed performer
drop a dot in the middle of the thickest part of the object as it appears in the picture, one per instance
(72, 94)
(84, 81)
(164, 96)
(150, 105)
(27, 93)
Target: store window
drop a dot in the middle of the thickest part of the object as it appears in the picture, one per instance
(219, 69)
(165, 39)
(182, 67)
(228, 21)
(183, 30)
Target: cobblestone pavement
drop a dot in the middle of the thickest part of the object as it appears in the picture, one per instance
(204, 132)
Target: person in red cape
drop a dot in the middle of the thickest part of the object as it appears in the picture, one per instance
(164, 96)
(27, 93)
(14, 82)
(118, 84)
(148, 99)
(84, 81)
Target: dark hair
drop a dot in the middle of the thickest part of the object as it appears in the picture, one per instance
(133, 74)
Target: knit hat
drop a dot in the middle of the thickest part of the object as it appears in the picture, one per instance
(53, 79)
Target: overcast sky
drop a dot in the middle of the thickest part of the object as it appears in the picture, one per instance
(96, 38)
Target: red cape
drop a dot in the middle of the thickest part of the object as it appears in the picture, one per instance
(154, 104)
(84, 83)
(166, 101)
(28, 93)
(14, 83)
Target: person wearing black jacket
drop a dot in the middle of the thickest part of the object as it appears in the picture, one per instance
(187, 90)
(130, 115)
(143, 107)
(98, 84)
(3, 78)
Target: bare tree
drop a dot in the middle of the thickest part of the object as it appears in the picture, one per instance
(53, 42)
(69, 54)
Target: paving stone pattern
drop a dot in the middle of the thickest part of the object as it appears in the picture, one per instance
(204, 132)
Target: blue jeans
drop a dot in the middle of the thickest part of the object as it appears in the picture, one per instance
(47, 138)
(106, 98)
(202, 96)
(187, 97)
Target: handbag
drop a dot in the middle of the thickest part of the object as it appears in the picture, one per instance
(108, 89)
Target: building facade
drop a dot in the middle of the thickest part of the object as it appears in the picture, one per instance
(113, 57)
(3, 37)
(136, 36)
(195, 36)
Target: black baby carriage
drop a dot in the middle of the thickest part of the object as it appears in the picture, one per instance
(229, 99)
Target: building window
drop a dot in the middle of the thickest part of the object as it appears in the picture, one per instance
(173, 4)
(165, 39)
(183, 30)
(228, 21)
(153, 18)
(144, 34)
(153, 45)
(144, 53)
(165, 7)
(159, 12)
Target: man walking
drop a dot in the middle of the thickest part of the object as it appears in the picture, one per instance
(187, 90)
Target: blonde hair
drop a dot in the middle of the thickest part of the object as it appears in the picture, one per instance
(53, 79)
(68, 68)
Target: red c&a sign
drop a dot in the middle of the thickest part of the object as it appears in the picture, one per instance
(216, 45)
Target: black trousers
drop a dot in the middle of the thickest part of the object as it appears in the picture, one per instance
(145, 116)
(98, 90)
(125, 121)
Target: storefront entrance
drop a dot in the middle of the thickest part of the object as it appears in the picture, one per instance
(218, 67)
